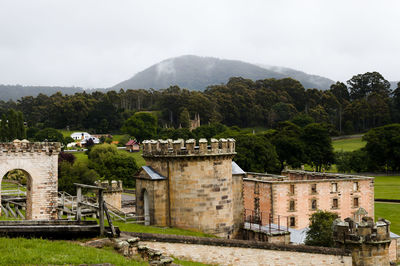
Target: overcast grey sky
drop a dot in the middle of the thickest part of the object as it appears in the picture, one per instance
(96, 43)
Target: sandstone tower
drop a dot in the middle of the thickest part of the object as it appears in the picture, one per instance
(368, 241)
(190, 186)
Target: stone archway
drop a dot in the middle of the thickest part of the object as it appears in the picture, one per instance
(40, 161)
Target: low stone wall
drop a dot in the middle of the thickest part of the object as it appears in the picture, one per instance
(245, 256)
(223, 251)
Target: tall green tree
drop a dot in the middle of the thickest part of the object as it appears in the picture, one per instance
(318, 145)
(141, 125)
(320, 232)
(362, 85)
(184, 118)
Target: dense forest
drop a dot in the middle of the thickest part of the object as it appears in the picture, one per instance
(365, 101)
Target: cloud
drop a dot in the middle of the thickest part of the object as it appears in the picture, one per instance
(98, 43)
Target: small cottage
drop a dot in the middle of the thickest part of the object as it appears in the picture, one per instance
(132, 146)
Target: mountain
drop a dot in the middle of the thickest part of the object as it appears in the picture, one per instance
(308, 80)
(196, 73)
(14, 92)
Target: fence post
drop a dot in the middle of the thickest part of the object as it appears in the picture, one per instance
(101, 212)
(78, 203)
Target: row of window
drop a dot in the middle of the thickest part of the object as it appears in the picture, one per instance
(334, 188)
(335, 204)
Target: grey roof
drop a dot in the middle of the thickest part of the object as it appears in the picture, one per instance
(298, 236)
(236, 170)
(393, 235)
(154, 175)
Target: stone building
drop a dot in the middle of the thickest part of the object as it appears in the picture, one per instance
(368, 241)
(39, 161)
(190, 186)
(112, 193)
(298, 194)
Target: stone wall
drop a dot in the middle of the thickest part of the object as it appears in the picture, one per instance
(40, 162)
(245, 256)
(277, 194)
(199, 184)
(113, 193)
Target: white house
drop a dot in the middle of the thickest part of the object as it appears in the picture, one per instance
(83, 137)
(80, 135)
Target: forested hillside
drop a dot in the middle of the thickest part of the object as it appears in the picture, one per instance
(365, 102)
(14, 92)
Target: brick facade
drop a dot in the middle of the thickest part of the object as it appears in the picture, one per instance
(40, 162)
(298, 194)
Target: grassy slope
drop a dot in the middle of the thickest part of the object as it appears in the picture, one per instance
(82, 157)
(348, 144)
(387, 187)
(390, 212)
(18, 251)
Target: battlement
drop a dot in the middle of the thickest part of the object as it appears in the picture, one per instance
(113, 185)
(22, 146)
(348, 231)
(184, 148)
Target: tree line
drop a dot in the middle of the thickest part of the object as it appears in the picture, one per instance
(365, 101)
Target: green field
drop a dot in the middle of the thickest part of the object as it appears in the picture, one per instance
(21, 251)
(348, 144)
(387, 187)
(82, 157)
(391, 212)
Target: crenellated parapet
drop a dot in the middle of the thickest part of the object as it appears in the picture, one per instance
(24, 146)
(364, 232)
(189, 147)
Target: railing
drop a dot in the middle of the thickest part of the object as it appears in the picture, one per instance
(10, 188)
(265, 222)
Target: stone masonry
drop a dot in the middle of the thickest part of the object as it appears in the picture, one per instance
(190, 186)
(368, 241)
(298, 194)
(113, 192)
(40, 161)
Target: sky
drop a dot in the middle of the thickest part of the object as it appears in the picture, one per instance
(97, 43)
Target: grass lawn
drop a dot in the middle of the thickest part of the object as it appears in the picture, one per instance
(387, 187)
(391, 212)
(348, 144)
(139, 228)
(21, 251)
(82, 157)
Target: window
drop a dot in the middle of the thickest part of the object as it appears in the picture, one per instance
(313, 188)
(355, 186)
(313, 204)
(334, 187)
(256, 188)
(335, 203)
(291, 205)
(292, 221)
(355, 203)
(292, 189)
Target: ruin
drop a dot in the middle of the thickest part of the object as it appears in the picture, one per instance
(368, 241)
(39, 160)
(298, 194)
(190, 186)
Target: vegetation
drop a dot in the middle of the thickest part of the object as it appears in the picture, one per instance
(387, 187)
(12, 126)
(348, 144)
(320, 232)
(391, 212)
(20, 251)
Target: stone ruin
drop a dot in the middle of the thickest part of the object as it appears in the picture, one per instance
(112, 193)
(39, 160)
(368, 241)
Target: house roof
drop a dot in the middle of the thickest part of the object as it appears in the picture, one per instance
(153, 174)
(131, 142)
(236, 170)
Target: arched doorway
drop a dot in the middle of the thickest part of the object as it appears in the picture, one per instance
(146, 208)
(39, 160)
(16, 192)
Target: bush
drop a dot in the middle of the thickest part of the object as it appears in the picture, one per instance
(320, 232)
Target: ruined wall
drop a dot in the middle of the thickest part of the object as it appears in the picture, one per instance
(237, 193)
(303, 196)
(113, 193)
(200, 183)
(40, 162)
